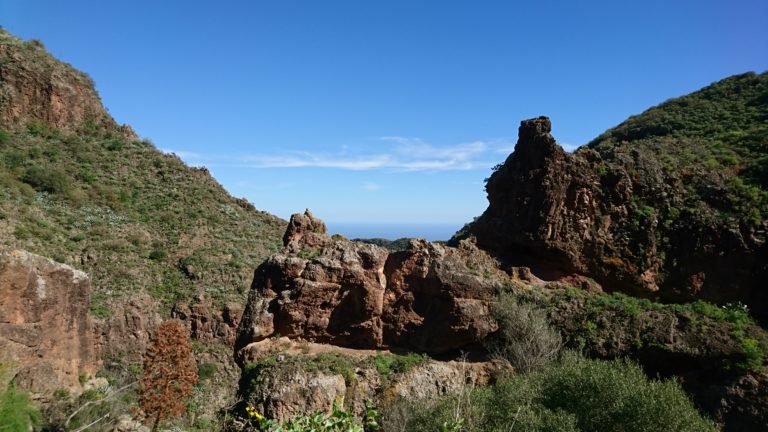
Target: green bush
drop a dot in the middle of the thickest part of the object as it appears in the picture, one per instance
(338, 421)
(206, 371)
(47, 179)
(577, 394)
(525, 337)
(5, 137)
(754, 356)
(387, 364)
(14, 159)
(17, 412)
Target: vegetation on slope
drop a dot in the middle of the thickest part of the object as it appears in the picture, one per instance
(714, 140)
(90, 194)
(132, 217)
(577, 394)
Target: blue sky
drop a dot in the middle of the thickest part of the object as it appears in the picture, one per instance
(384, 111)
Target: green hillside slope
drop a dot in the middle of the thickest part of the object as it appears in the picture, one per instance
(87, 192)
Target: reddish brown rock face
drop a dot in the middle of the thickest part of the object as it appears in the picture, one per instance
(562, 213)
(359, 295)
(208, 323)
(35, 86)
(305, 232)
(46, 335)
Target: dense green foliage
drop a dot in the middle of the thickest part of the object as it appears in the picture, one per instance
(390, 364)
(713, 139)
(576, 395)
(17, 412)
(338, 421)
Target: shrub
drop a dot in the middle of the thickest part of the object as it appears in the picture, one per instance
(577, 394)
(158, 254)
(17, 412)
(14, 159)
(206, 371)
(387, 364)
(338, 421)
(169, 373)
(525, 337)
(47, 180)
(754, 356)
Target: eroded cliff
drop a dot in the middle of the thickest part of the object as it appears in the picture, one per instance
(658, 207)
(46, 335)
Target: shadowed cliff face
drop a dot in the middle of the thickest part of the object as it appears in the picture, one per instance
(616, 216)
(541, 203)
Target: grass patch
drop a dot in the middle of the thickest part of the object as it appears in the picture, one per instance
(389, 364)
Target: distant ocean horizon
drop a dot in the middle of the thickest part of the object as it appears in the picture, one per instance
(394, 231)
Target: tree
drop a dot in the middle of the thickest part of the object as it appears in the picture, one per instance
(169, 373)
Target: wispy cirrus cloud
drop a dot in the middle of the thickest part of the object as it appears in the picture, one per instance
(399, 153)
(394, 153)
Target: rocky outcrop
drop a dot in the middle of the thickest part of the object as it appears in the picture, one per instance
(46, 334)
(282, 384)
(36, 87)
(208, 323)
(305, 232)
(426, 298)
(615, 216)
(125, 334)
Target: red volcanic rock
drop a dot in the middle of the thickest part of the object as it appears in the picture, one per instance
(611, 216)
(434, 302)
(46, 334)
(360, 295)
(305, 232)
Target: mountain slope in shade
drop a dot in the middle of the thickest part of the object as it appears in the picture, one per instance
(672, 203)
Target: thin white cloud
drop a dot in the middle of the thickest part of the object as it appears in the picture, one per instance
(405, 154)
(394, 153)
(370, 186)
(309, 160)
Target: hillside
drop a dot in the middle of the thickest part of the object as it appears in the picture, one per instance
(672, 203)
(80, 189)
(103, 237)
